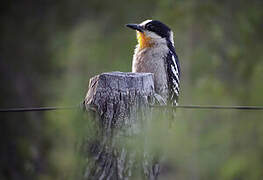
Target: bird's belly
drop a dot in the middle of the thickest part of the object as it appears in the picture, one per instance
(152, 62)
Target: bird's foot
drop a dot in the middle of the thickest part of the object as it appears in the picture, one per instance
(159, 99)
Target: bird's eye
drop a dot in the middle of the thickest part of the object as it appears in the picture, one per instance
(149, 27)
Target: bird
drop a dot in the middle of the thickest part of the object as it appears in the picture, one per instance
(155, 53)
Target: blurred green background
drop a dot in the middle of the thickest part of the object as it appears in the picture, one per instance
(50, 49)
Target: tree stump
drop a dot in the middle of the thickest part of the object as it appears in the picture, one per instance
(120, 105)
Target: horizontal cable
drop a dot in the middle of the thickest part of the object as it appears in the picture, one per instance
(210, 107)
(38, 109)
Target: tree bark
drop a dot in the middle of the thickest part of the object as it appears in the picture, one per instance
(119, 103)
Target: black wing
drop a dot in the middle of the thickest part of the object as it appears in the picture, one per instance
(173, 71)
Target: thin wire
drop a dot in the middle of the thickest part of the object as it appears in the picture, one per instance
(38, 109)
(211, 107)
(208, 107)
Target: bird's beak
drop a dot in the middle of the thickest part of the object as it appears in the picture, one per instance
(135, 27)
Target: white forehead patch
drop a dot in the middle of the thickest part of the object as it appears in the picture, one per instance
(145, 22)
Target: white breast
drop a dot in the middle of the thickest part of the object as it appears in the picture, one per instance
(152, 60)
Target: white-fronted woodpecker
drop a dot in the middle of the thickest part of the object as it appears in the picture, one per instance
(155, 53)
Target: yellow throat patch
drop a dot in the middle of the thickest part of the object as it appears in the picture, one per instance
(143, 41)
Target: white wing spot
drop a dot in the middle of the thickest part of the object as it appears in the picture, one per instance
(176, 91)
(175, 83)
(173, 59)
(175, 63)
(172, 37)
(174, 71)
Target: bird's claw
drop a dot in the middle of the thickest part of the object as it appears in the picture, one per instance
(159, 99)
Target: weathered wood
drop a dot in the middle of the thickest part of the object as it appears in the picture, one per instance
(120, 102)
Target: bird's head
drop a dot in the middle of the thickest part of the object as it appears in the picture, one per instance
(151, 32)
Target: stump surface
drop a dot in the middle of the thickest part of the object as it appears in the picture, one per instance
(120, 102)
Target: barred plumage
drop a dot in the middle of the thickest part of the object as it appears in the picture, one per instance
(173, 71)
